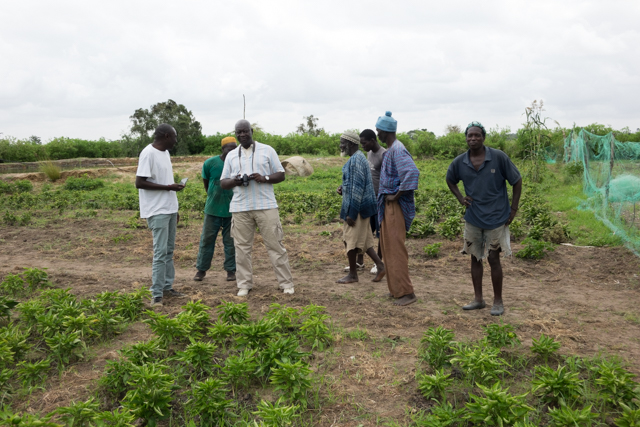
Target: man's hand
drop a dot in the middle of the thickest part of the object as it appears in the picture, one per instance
(388, 198)
(175, 187)
(339, 190)
(512, 215)
(350, 222)
(466, 201)
(258, 178)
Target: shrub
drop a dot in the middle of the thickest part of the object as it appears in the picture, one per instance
(497, 407)
(501, 335)
(433, 250)
(232, 313)
(450, 228)
(79, 414)
(12, 285)
(557, 385)
(240, 369)
(438, 346)
(480, 363)
(544, 346)
(207, 400)
(276, 414)
(51, 170)
(36, 278)
(316, 332)
(293, 380)
(432, 386)
(151, 392)
(82, 183)
(567, 417)
(534, 249)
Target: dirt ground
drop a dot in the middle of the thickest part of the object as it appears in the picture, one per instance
(587, 298)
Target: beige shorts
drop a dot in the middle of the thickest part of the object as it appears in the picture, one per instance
(478, 241)
(359, 236)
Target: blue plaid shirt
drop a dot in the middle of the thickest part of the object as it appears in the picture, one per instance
(358, 196)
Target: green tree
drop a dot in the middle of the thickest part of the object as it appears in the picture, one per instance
(144, 122)
(311, 127)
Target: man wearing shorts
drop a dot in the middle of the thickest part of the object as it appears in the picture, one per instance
(484, 172)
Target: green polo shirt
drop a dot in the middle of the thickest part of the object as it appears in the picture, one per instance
(218, 200)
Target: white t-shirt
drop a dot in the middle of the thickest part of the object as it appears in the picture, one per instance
(155, 165)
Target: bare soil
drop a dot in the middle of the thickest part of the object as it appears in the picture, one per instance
(587, 298)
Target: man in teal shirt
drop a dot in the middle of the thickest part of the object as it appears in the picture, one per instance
(216, 215)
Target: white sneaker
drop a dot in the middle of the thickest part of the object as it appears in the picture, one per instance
(243, 292)
(374, 269)
(359, 267)
(288, 291)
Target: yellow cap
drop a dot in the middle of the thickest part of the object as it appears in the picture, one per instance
(228, 140)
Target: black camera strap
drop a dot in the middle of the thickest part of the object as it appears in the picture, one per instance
(253, 152)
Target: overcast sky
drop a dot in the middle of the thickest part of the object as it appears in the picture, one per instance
(81, 68)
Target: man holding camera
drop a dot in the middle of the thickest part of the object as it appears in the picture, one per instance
(251, 170)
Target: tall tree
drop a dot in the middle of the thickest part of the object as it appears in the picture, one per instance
(311, 127)
(144, 122)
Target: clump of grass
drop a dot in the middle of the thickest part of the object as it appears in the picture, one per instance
(51, 170)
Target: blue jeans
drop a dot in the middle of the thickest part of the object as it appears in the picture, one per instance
(210, 228)
(163, 227)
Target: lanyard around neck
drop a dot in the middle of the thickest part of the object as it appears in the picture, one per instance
(252, 157)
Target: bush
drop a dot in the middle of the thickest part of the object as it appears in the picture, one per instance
(433, 250)
(51, 170)
(534, 249)
(82, 184)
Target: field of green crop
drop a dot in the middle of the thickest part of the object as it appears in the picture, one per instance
(213, 360)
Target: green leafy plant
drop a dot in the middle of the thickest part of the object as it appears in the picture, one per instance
(277, 414)
(497, 407)
(65, 347)
(12, 285)
(143, 352)
(30, 311)
(232, 313)
(239, 370)
(432, 250)
(480, 363)
(25, 420)
(33, 374)
(6, 305)
(556, 385)
(108, 323)
(544, 346)
(36, 278)
(282, 348)
(284, 318)
(293, 380)
(567, 417)
(198, 357)
(81, 324)
(316, 332)
(117, 418)
(16, 339)
(220, 332)
(130, 306)
(207, 401)
(116, 377)
(437, 345)
(501, 335)
(432, 386)
(616, 383)
(168, 330)
(534, 249)
(254, 334)
(630, 417)
(150, 393)
(450, 228)
(10, 218)
(79, 414)
(200, 311)
(440, 415)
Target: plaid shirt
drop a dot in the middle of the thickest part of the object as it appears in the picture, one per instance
(398, 173)
(358, 196)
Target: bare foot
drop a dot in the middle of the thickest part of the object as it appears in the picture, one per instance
(406, 300)
(348, 279)
(380, 275)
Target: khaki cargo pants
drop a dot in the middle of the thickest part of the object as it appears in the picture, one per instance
(243, 227)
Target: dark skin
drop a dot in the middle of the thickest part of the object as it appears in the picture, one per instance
(477, 151)
(244, 135)
(350, 148)
(162, 143)
(226, 149)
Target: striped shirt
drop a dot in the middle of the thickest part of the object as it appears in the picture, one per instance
(255, 197)
(358, 197)
(398, 173)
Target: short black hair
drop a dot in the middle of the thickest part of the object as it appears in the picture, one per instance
(368, 134)
(163, 131)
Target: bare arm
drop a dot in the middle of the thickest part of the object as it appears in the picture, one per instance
(206, 185)
(142, 183)
(515, 201)
(464, 201)
(274, 178)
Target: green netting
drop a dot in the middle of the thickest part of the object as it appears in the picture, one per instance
(611, 172)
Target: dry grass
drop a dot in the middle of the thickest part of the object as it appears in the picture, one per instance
(51, 170)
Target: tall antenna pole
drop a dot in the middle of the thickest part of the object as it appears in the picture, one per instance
(244, 112)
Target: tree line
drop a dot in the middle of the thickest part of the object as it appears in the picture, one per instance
(308, 139)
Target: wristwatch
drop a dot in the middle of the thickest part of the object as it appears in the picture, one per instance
(266, 177)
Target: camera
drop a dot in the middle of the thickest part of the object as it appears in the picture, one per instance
(245, 179)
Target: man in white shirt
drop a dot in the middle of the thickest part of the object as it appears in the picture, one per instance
(159, 205)
(251, 170)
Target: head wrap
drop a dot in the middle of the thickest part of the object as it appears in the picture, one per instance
(478, 125)
(351, 136)
(387, 123)
(228, 140)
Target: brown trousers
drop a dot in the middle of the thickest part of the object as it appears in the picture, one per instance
(394, 252)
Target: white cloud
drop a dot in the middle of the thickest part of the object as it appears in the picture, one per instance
(79, 69)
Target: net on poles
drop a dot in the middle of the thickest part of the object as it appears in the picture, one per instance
(611, 178)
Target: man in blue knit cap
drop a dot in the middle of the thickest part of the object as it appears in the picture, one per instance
(484, 172)
(396, 209)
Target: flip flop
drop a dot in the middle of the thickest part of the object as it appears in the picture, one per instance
(497, 309)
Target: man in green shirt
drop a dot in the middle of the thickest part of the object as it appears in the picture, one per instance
(216, 215)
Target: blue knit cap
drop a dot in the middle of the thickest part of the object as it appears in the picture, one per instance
(387, 123)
